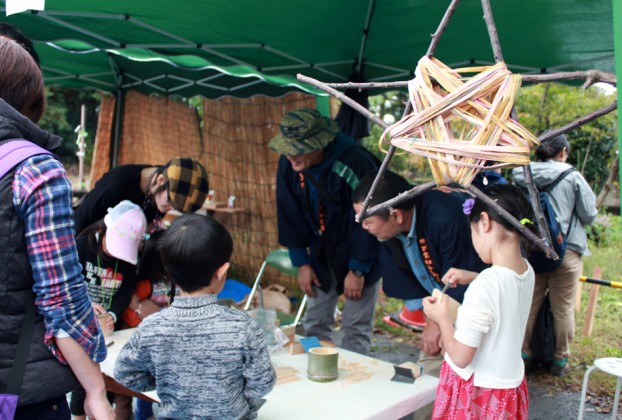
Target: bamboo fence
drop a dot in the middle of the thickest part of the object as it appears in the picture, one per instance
(233, 146)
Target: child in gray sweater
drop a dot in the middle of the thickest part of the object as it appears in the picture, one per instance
(205, 360)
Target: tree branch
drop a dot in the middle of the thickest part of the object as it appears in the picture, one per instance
(401, 197)
(590, 77)
(535, 202)
(436, 36)
(345, 99)
(578, 122)
(492, 31)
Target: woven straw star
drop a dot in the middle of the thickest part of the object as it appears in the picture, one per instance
(462, 124)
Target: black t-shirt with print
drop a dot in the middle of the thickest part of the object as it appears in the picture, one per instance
(110, 282)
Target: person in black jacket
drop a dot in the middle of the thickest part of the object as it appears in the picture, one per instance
(421, 240)
(317, 172)
(181, 185)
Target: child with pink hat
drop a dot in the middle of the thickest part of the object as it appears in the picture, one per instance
(108, 251)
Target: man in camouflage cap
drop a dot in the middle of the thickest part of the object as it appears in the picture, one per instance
(317, 172)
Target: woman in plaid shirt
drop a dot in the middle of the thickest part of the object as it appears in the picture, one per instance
(38, 254)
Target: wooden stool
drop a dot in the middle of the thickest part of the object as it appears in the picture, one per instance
(612, 366)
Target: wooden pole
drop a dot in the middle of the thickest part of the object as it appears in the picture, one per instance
(577, 297)
(81, 148)
(591, 305)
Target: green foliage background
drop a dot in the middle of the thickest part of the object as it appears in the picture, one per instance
(62, 116)
(594, 145)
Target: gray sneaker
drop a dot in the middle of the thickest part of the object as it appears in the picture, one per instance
(559, 367)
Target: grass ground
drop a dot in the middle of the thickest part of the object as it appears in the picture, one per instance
(606, 337)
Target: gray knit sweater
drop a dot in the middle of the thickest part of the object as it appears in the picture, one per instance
(205, 360)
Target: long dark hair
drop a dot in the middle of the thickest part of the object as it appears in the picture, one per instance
(514, 201)
(94, 234)
(552, 147)
(149, 201)
(150, 263)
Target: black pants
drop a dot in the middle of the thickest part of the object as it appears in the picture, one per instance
(52, 409)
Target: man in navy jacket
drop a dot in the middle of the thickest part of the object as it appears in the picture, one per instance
(420, 238)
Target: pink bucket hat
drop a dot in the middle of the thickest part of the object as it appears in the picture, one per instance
(125, 226)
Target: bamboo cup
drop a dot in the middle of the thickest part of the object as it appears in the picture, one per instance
(323, 363)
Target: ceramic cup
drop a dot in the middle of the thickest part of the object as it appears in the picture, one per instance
(322, 365)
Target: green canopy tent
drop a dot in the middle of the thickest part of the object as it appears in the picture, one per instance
(221, 47)
(246, 47)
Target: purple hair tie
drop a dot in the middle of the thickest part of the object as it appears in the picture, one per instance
(467, 206)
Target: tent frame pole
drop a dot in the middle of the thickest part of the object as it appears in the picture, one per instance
(118, 124)
(617, 48)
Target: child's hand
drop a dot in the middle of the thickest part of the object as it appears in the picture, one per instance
(98, 309)
(456, 276)
(436, 309)
(109, 322)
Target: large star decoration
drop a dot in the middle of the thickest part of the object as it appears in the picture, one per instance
(462, 124)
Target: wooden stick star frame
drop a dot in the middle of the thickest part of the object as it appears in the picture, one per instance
(590, 77)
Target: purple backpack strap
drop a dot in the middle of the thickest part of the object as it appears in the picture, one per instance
(15, 152)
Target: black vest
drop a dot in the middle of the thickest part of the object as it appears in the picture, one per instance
(45, 377)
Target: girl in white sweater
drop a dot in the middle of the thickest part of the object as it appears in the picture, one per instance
(483, 374)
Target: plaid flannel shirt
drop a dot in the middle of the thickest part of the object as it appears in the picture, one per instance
(42, 199)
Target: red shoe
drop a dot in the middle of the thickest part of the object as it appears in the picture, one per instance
(415, 318)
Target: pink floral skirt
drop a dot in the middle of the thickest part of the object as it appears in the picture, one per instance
(457, 399)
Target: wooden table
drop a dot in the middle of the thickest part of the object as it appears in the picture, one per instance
(363, 390)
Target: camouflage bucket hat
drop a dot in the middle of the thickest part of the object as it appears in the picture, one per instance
(187, 184)
(303, 131)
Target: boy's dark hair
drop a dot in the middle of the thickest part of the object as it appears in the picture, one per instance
(389, 186)
(514, 201)
(193, 248)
